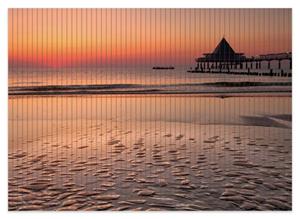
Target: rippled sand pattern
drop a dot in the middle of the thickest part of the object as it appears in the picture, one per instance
(143, 166)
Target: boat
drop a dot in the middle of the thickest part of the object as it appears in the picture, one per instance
(163, 67)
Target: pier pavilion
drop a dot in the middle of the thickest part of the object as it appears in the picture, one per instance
(225, 60)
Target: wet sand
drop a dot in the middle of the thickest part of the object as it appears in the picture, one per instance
(118, 162)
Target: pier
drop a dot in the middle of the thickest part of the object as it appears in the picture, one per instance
(224, 60)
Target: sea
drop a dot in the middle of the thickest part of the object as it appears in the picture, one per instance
(138, 80)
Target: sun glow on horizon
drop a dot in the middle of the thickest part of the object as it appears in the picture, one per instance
(122, 37)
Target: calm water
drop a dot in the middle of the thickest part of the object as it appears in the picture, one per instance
(137, 80)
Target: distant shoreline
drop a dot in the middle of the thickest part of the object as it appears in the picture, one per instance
(224, 88)
(280, 93)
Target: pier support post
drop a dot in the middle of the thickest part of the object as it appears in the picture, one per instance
(279, 64)
(269, 64)
(290, 64)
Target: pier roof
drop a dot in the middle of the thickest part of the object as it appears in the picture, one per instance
(222, 53)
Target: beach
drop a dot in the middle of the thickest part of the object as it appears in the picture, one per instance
(150, 109)
(150, 152)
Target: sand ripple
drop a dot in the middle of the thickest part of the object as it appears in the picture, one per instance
(223, 169)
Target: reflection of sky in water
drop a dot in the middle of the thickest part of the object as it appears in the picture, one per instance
(261, 111)
(133, 75)
(143, 80)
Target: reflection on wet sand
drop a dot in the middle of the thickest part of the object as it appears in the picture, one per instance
(118, 162)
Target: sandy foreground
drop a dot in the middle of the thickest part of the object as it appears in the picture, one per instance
(116, 162)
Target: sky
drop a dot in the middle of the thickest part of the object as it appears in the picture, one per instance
(140, 37)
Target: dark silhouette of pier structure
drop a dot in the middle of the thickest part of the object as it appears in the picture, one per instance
(224, 60)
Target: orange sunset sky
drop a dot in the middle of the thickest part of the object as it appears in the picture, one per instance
(121, 37)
